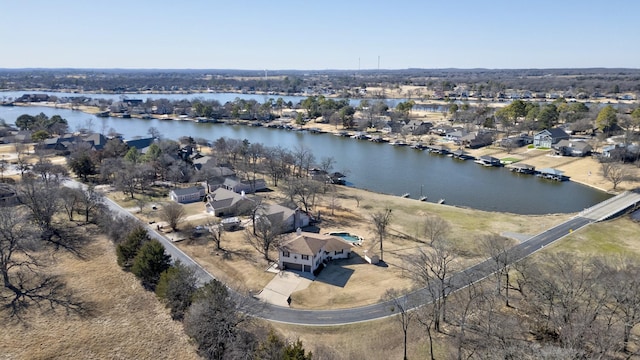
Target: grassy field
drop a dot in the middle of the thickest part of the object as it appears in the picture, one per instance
(124, 322)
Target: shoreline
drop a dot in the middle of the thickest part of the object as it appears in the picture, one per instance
(573, 167)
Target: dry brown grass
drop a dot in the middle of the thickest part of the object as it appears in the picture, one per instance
(353, 282)
(125, 322)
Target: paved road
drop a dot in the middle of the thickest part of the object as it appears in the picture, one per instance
(415, 299)
(176, 254)
(457, 281)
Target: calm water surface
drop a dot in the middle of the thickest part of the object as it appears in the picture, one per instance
(377, 167)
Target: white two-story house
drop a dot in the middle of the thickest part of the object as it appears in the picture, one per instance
(305, 251)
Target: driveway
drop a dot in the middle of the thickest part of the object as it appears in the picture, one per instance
(282, 286)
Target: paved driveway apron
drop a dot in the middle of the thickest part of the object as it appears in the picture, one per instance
(279, 289)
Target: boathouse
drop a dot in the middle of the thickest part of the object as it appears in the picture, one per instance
(552, 174)
(522, 168)
(487, 160)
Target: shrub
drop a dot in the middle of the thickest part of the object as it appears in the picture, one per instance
(128, 249)
(150, 262)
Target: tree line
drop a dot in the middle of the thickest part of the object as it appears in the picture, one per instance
(487, 81)
(219, 320)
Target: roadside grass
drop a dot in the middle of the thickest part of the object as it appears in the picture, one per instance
(618, 237)
(380, 339)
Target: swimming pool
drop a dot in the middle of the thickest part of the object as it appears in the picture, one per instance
(354, 239)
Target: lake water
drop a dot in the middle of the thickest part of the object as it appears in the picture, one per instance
(377, 167)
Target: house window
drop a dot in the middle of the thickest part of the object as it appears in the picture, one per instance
(285, 254)
(339, 252)
(305, 257)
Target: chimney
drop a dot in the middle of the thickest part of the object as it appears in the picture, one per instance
(242, 194)
(298, 231)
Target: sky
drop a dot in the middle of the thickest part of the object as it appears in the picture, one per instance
(318, 35)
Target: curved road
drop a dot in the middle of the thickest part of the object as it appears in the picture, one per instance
(414, 299)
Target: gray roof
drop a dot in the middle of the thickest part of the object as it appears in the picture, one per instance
(222, 198)
(187, 191)
(551, 171)
(277, 212)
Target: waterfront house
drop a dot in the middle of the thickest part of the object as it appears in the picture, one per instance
(516, 141)
(306, 252)
(443, 130)
(97, 141)
(477, 140)
(223, 202)
(572, 148)
(201, 161)
(622, 152)
(140, 144)
(456, 136)
(288, 219)
(548, 137)
(417, 127)
(32, 98)
(248, 186)
(187, 195)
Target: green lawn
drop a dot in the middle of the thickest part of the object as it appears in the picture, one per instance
(509, 160)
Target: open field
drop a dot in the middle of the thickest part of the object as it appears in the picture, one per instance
(125, 321)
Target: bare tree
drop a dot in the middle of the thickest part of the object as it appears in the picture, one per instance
(431, 269)
(357, 198)
(614, 172)
(173, 213)
(24, 282)
(278, 162)
(303, 191)
(126, 180)
(497, 248)
(564, 302)
(426, 318)
(435, 228)
(215, 234)
(404, 314)
(464, 314)
(303, 158)
(89, 201)
(70, 198)
(265, 236)
(621, 278)
(380, 221)
(43, 200)
(334, 200)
